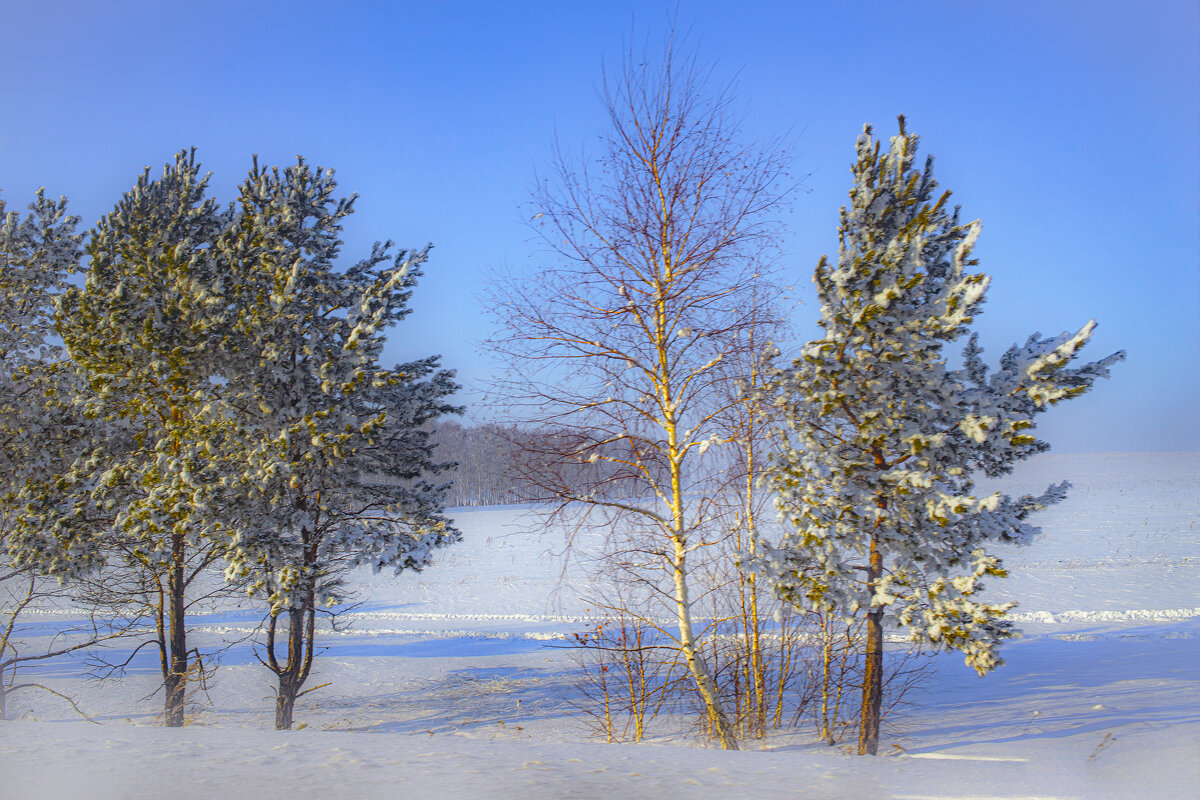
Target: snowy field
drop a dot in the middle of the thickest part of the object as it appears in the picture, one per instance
(448, 683)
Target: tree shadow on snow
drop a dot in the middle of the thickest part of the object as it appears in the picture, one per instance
(1060, 685)
(468, 700)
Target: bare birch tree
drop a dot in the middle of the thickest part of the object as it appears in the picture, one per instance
(616, 348)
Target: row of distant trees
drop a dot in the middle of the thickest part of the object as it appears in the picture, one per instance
(499, 464)
(211, 397)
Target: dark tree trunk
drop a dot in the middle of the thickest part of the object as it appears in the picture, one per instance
(301, 631)
(285, 704)
(872, 702)
(294, 672)
(177, 673)
(872, 688)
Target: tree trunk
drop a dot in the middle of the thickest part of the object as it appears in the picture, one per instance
(683, 604)
(176, 677)
(695, 661)
(756, 655)
(750, 580)
(826, 677)
(294, 672)
(872, 694)
(289, 686)
(285, 704)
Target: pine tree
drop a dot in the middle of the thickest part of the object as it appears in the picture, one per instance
(38, 428)
(331, 465)
(149, 333)
(37, 253)
(881, 438)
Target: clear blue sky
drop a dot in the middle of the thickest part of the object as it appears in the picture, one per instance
(1071, 128)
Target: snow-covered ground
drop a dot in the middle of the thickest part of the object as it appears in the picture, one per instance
(448, 683)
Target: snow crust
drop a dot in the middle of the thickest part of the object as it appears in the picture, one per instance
(455, 682)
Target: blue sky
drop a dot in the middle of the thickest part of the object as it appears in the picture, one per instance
(1072, 129)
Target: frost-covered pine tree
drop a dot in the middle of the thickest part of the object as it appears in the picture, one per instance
(331, 465)
(881, 438)
(45, 436)
(37, 252)
(149, 333)
(38, 429)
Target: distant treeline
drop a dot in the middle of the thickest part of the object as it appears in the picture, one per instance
(501, 464)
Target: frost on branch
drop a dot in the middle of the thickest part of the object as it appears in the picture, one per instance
(40, 429)
(331, 464)
(879, 439)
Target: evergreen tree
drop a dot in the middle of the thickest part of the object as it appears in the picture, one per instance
(38, 427)
(37, 252)
(881, 438)
(149, 333)
(331, 465)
